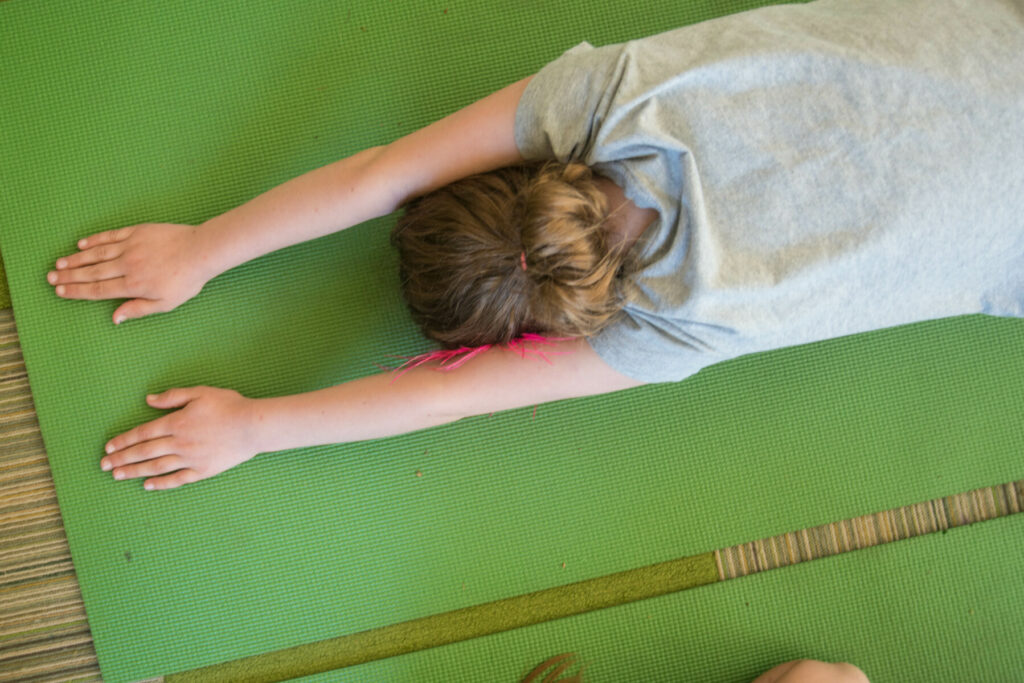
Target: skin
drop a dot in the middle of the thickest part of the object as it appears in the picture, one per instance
(626, 221)
(811, 671)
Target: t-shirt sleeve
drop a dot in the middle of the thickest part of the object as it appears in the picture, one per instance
(564, 105)
(649, 349)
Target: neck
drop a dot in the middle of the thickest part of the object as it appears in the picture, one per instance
(626, 221)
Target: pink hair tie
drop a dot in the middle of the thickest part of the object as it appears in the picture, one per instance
(522, 260)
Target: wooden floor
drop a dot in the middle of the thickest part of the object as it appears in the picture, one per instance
(44, 635)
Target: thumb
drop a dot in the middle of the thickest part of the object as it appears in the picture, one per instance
(136, 308)
(173, 398)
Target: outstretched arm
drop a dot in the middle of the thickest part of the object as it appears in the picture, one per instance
(372, 183)
(217, 428)
(159, 266)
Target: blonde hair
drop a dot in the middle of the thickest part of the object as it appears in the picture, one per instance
(519, 250)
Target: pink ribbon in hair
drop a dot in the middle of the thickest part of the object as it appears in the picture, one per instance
(450, 359)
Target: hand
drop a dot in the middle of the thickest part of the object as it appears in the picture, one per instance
(158, 265)
(211, 433)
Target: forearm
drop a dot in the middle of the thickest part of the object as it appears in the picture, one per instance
(388, 404)
(372, 183)
(367, 408)
(312, 205)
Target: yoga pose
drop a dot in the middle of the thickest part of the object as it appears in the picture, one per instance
(637, 212)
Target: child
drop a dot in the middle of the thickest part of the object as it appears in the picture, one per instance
(766, 179)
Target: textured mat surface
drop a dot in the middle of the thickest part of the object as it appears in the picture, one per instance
(176, 113)
(942, 607)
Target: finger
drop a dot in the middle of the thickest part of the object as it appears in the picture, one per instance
(103, 271)
(115, 288)
(172, 481)
(147, 468)
(174, 398)
(97, 254)
(144, 450)
(108, 237)
(137, 308)
(154, 429)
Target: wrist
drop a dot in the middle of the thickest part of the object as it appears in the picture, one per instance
(258, 429)
(277, 424)
(215, 253)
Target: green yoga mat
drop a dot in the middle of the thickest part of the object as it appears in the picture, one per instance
(177, 112)
(942, 607)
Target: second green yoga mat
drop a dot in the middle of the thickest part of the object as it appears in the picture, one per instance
(177, 112)
(938, 608)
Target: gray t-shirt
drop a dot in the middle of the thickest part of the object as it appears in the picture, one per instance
(818, 170)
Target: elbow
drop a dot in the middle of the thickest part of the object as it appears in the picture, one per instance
(433, 396)
(445, 403)
(377, 179)
(382, 168)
